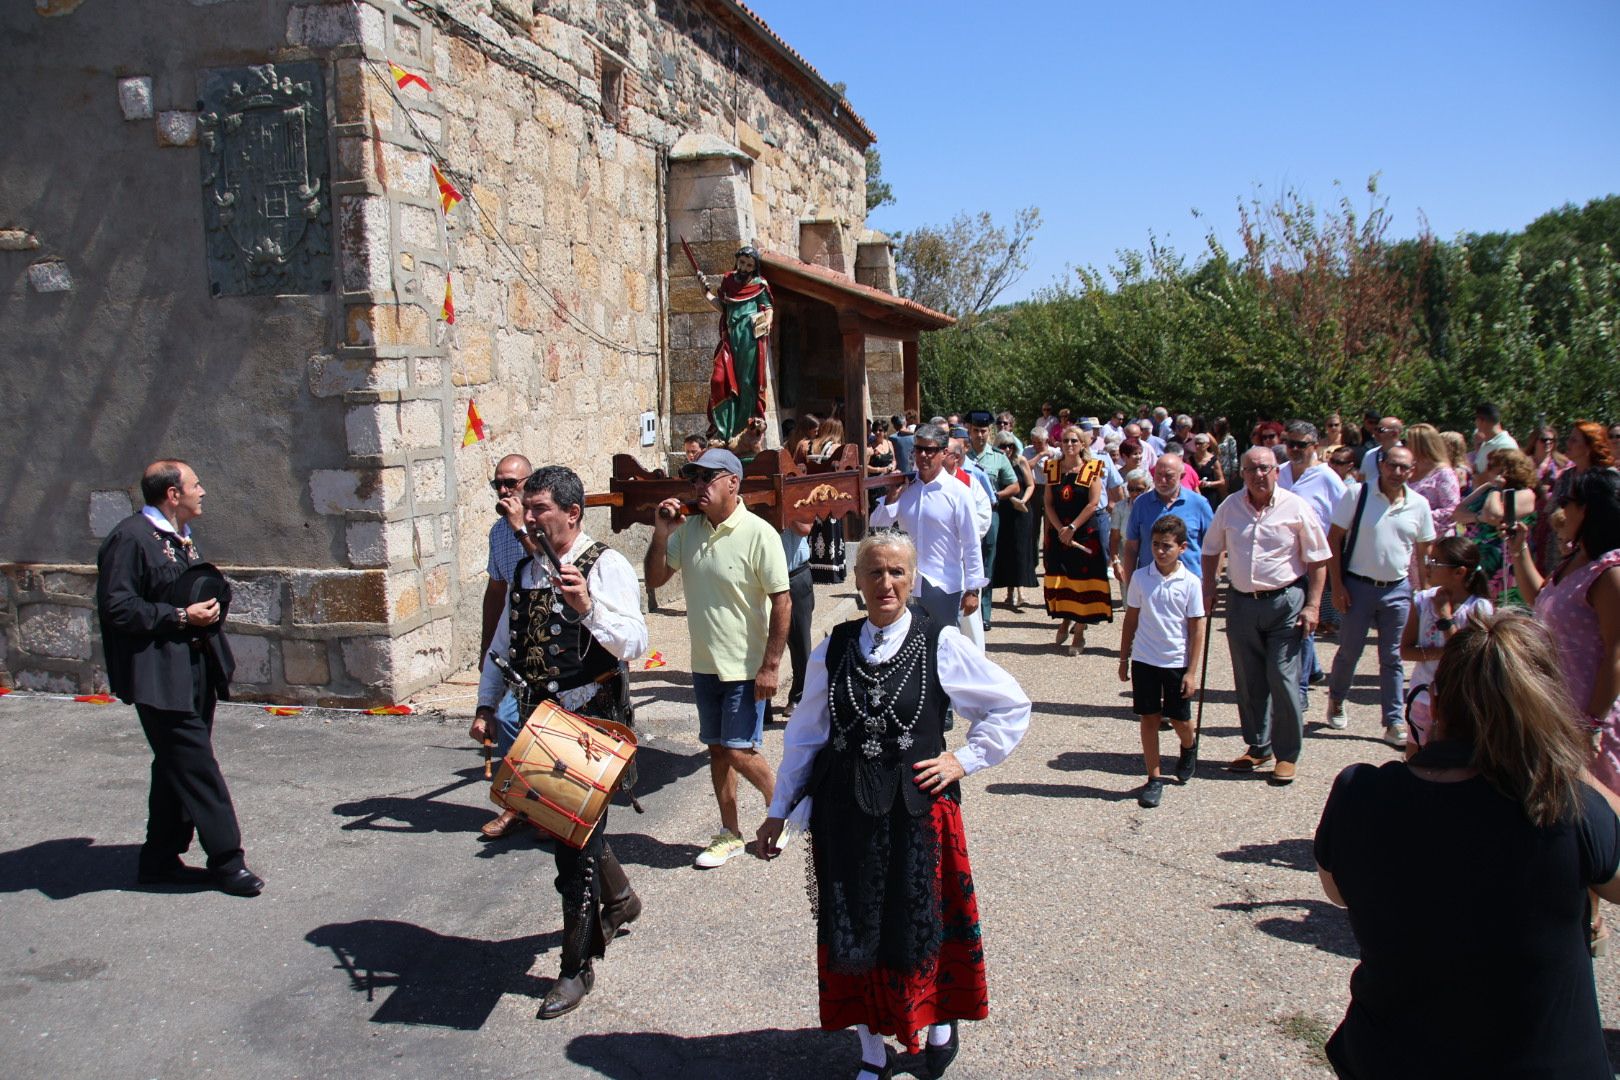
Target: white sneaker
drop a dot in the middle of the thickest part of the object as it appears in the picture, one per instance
(1336, 718)
(722, 847)
(1395, 735)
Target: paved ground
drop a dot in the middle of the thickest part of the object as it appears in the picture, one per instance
(1191, 940)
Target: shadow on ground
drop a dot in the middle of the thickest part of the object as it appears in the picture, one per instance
(432, 979)
(1322, 925)
(72, 866)
(769, 1054)
(1285, 854)
(423, 813)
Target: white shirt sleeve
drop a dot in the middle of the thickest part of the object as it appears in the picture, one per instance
(982, 693)
(982, 510)
(886, 513)
(491, 687)
(973, 574)
(615, 617)
(807, 732)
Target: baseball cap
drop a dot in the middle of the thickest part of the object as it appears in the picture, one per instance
(716, 458)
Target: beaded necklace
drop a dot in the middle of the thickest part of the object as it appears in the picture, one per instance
(873, 690)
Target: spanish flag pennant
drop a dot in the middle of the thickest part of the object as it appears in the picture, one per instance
(448, 312)
(475, 426)
(94, 699)
(448, 195)
(403, 78)
(4, 690)
(282, 710)
(655, 659)
(390, 710)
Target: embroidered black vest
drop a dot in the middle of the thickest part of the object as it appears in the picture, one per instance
(885, 718)
(549, 646)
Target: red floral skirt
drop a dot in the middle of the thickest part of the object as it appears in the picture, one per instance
(951, 986)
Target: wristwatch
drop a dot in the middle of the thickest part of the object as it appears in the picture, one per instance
(1443, 625)
(185, 619)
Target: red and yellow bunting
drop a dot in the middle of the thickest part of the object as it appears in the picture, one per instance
(389, 710)
(475, 426)
(403, 78)
(448, 195)
(94, 699)
(655, 659)
(448, 312)
(282, 710)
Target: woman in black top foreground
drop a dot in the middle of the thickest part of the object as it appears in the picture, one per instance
(1465, 871)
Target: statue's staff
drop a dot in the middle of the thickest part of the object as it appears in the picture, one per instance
(703, 278)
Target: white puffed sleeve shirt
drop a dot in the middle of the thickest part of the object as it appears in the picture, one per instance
(995, 707)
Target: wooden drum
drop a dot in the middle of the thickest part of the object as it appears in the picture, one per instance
(562, 771)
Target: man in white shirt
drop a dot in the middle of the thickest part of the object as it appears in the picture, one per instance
(566, 631)
(937, 511)
(1489, 435)
(1377, 530)
(1388, 434)
(1316, 483)
(1276, 554)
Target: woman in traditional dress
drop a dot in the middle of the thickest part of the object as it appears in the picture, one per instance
(827, 537)
(1076, 583)
(898, 948)
(1014, 568)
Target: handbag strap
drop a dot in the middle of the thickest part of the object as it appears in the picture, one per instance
(1355, 526)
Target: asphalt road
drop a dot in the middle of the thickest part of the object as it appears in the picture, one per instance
(1191, 940)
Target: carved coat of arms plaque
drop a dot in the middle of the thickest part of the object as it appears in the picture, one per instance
(267, 204)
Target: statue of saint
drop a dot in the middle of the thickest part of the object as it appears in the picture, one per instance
(741, 359)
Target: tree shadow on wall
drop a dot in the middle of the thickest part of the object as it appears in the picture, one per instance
(429, 978)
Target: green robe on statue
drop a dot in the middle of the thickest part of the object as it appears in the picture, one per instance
(741, 360)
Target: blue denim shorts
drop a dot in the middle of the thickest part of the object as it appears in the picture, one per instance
(728, 715)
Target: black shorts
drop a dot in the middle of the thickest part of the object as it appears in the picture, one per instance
(1157, 691)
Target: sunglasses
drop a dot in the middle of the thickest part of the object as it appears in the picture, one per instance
(1342, 461)
(1298, 444)
(704, 477)
(926, 449)
(501, 483)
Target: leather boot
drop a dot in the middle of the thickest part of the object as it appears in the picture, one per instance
(570, 989)
(620, 904)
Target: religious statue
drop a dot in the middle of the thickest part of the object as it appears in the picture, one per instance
(741, 359)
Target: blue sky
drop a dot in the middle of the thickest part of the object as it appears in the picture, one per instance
(1119, 120)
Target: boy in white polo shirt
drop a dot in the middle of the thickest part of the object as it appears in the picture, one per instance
(1164, 631)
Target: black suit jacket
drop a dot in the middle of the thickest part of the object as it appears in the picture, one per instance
(148, 652)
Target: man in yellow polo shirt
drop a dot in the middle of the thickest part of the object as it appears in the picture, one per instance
(737, 614)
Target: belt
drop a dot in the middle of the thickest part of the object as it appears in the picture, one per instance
(1365, 580)
(802, 568)
(1264, 594)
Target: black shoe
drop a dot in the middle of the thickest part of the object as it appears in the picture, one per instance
(176, 873)
(1150, 793)
(939, 1058)
(566, 994)
(238, 882)
(1187, 763)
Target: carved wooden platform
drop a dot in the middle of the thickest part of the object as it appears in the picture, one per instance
(773, 486)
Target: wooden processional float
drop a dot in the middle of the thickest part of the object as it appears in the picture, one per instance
(774, 486)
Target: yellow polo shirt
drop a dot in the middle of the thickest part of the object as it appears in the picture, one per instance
(729, 572)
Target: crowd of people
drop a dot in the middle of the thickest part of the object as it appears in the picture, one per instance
(1493, 570)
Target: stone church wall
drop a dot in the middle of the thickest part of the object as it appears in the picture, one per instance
(327, 427)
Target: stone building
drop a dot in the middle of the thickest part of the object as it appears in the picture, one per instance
(222, 238)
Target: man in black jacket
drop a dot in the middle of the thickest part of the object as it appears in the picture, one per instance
(161, 660)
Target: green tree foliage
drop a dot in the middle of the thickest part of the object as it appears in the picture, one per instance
(1319, 311)
(962, 268)
(878, 191)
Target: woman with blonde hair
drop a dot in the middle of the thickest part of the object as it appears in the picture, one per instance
(1500, 836)
(1461, 462)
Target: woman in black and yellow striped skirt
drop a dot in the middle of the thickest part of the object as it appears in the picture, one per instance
(1076, 583)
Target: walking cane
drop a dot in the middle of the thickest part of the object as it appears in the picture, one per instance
(1203, 673)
